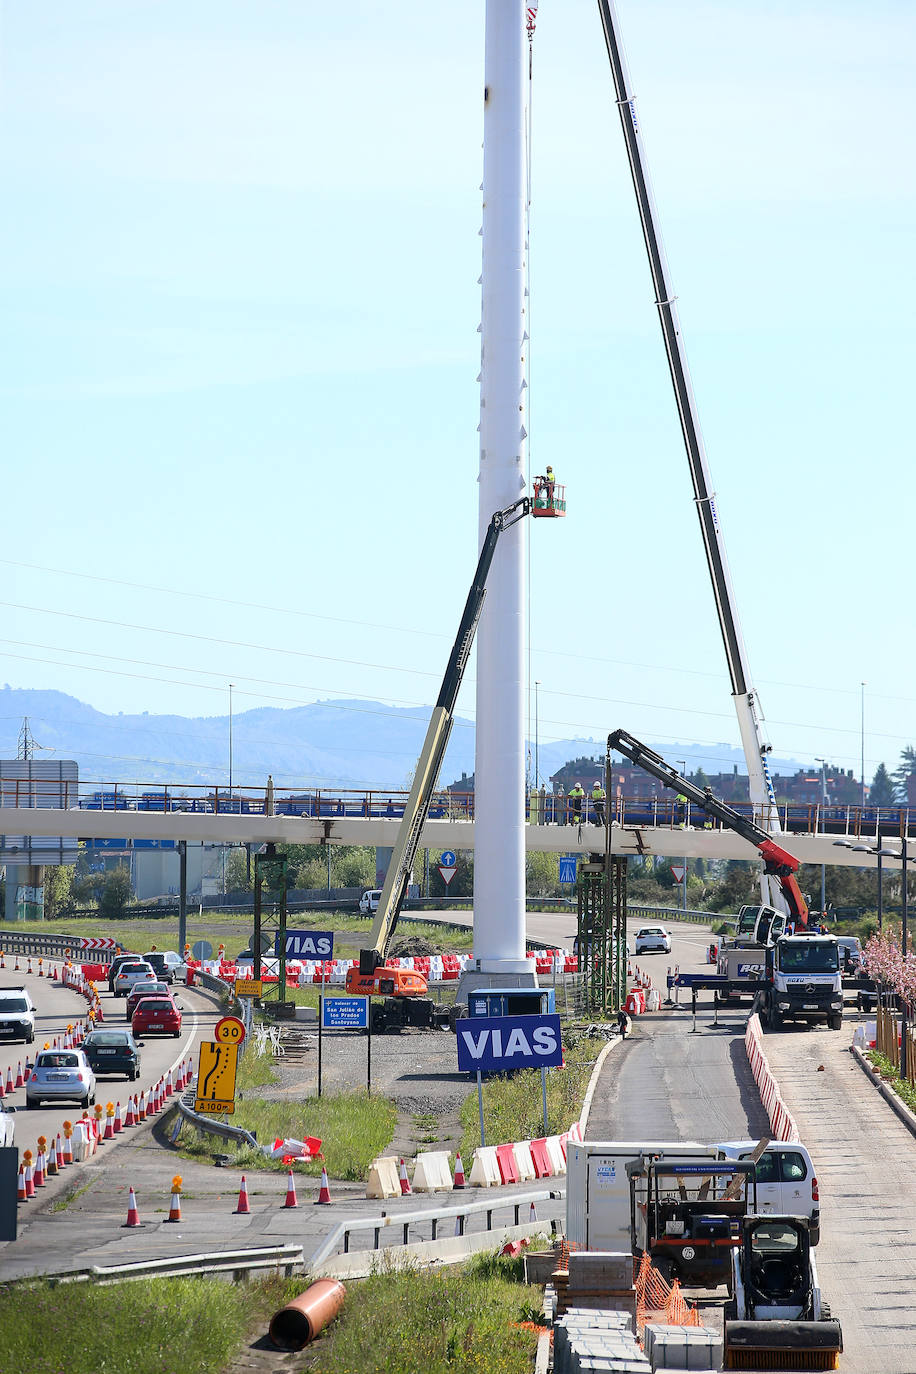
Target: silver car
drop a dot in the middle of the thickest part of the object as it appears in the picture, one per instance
(60, 1076)
(137, 971)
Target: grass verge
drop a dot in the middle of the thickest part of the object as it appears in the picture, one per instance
(513, 1104)
(905, 1091)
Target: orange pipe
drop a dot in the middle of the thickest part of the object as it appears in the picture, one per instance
(301, 1320)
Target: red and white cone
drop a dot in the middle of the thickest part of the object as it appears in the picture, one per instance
(109, 1128)
(324, 1192)
(133, 1216)
(9, 1078)
(403, 1179)
(41, 972)
(16, 969)
(39, 1176)
(169, 1085)
(52, 1161)
(29, 969)
(175, 1206)
(131, 1117)
(19, 1079)
(532, 1213)
(118, 1123)
(22, 1194)
(2, 1089)
(29, 1181)
(459, 1172)
(61, 1159)
(144, 1111)
(290, 1191)
(68, 1150)
(243, 1209)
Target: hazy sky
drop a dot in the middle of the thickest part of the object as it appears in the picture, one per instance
(239, 256)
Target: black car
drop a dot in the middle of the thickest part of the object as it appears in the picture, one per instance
(112, 1051)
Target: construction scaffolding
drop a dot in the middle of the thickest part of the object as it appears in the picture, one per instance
(602, 933)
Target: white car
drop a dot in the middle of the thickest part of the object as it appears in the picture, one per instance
(650, 938)
(61, 1076)
(17, 1015)
(7, 1126)
(368, 902)
(137, 971)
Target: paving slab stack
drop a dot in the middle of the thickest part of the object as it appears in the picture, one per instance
(598, 1279)
(682, 1347)
(589, 1342)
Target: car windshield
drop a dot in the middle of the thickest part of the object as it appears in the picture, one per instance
(777, 1237)
(652, 930)
(107, 1038)
(805, 958)
(13, 1004)
(157, 1004)
(137, 968)
(57, 1061)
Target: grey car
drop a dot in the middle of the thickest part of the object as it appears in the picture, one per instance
(60, 1076)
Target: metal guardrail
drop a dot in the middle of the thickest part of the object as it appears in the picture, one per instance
(339, 1238)
(676, 913)
(52, 947)
(288, 1258)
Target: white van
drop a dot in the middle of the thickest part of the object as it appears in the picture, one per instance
(368, 902)
(786, 1181)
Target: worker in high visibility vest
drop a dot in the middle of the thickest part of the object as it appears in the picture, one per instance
(550, 480)
(576, 797)
(598, 799)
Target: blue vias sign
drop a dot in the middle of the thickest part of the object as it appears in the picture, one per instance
(497, 1044)
(307, 944)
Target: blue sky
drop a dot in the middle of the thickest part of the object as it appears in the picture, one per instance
(239, 262)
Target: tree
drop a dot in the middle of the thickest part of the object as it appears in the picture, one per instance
(237, 872)
(542, 874)
(903, 770)
(58, 884)
(740, 885)
(881, 792)
(116, 892)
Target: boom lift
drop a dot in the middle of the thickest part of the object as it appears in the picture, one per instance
(745, 698)
(796, 976)
(372, 976)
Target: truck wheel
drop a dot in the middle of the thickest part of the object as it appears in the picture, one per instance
(456, 1013)
(774, 1019)
(835, 1020)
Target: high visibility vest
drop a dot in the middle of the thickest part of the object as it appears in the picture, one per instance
(576, 792)
(598, 794)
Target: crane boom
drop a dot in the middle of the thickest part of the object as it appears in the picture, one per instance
(416, 811)
(749, 724)
(777, 862)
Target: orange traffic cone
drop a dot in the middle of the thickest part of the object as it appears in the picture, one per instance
(133, 1216)
(68, 1147)
(324, 1192)
(403, 1179)
(22, 1192)
(39, 1175)
(175, 1206)
(19, 1078)
(459, 1172)
(130, 1119)
(61, 1160)
(29, 1181)
(118, 1123)
(532, 1213)
(9, 1078)
(290, 1191)
(144, 1111)
(29, 969)
(243, 1209)
(41, 972)
(16, 969)
(52, 1161)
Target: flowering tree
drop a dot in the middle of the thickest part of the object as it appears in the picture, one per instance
(885, 963)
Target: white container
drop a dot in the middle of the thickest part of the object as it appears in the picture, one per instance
(598, 1190)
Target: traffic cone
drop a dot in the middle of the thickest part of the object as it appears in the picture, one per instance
(143, 1113)
(324, 1192)
(243, 1209)
(290, 1191)
(29, 969)
(61, 1161)
(130, 1119)
(403, 1179)
(39, 1175)
(459, 1226)
(459, 1172)
(41, 972)
(16, 969)
(133, 1216)
(68, 1150)
(52, 1161)
(109, 1127)
(175, 1206)
(29, 1181)
(22, 1193)
(169, 1085)
(9, 1078)
(532, 1213)
(19, 1078)
(118, 1123)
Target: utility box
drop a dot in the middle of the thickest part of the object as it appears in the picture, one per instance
(512, 1002)
(9, 1183)
(598, 1189)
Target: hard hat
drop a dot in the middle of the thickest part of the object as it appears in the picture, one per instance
(549, 468)
(596, 783)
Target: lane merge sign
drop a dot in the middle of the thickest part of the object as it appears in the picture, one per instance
(216, 1070)
(502, 1043)
(307, 944)
(448, 863)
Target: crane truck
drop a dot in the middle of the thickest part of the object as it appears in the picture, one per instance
(796, 977)
(405, 992)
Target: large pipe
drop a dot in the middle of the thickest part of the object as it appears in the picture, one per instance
(499, 786)
(301, 1320)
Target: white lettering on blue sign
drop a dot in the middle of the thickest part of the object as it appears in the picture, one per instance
(309, 944)
(509, 1042)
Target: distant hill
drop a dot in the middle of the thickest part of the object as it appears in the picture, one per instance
(343, 744)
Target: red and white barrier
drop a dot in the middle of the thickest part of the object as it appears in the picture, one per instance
(781, 1120)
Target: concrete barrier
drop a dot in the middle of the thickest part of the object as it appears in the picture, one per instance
(383, 1178)
(432, 1172)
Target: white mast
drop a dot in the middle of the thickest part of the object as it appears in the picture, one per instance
(499, 858)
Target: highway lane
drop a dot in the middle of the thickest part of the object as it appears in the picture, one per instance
(56, 1006)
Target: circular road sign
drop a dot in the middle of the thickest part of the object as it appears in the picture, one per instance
(203, 950)
(447, 858)
(230, 1030)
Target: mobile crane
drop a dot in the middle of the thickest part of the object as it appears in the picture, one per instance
(744, 696)
(403, 989)
(797, 976)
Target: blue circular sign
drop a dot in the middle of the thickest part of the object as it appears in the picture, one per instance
(447, 858)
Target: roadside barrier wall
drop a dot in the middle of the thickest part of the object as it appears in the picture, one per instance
(782, 1122)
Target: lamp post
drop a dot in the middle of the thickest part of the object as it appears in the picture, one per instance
(537, 776)
(862, 785)
(231, 685)
(683, 763)
(823, 763)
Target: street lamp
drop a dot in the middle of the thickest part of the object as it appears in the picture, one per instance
(823, 763)
(536, 733)
(683, 763)
(231, 685)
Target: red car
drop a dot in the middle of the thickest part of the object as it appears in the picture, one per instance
(156, 1014)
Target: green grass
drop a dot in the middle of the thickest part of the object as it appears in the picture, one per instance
(905, 1091)
(513, 1104)
(459, 1320)
(354, 1127)
(157, 1326)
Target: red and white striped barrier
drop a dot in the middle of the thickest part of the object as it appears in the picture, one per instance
(781, 1120)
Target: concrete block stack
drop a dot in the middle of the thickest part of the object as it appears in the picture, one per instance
(682, 1347)
(598, 1279)
(589, 1342)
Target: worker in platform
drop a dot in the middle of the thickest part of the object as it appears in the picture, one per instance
(549, 479)
(599, 796)
(576, 796)
(680, 810)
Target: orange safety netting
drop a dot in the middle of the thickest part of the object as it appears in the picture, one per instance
(660, 1301)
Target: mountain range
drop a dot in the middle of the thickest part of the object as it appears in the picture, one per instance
(328, 744)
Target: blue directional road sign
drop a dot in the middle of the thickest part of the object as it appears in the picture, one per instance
(345, 1013)
(447, 858)
(307, 944)
(499, 1044)
(568, 863)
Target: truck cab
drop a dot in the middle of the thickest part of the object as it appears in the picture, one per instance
(804, 981)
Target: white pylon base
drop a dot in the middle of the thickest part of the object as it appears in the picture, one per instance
(511, 973)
